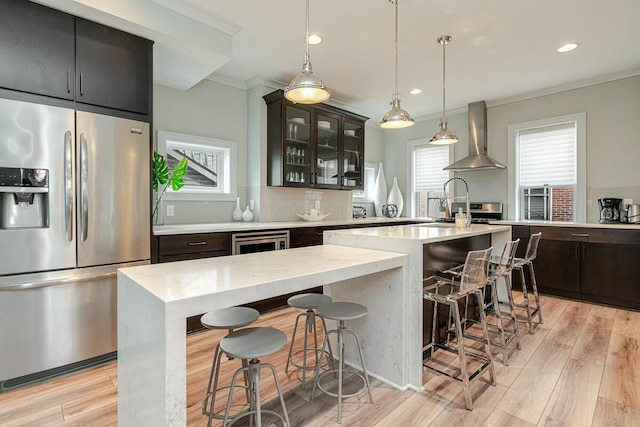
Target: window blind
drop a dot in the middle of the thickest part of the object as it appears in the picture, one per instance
(547, 156)
(429, 161)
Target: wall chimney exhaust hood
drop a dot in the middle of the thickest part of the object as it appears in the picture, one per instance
(477, 158)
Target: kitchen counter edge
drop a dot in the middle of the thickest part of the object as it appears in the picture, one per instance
(220, 227)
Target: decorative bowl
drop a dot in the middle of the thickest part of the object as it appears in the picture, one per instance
(298, 120)
(350, 132)
(308, 217)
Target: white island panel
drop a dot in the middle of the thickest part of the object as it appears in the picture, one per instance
(155, 300)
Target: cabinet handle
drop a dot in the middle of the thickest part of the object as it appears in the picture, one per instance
(68, 81)
(580, 234)
(80, 84)
(584, 252)
(197, 243)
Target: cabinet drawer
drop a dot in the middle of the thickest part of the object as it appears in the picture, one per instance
(195, 243)
(593, 235)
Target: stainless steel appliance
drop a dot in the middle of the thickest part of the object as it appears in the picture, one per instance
(259, 241)
(481, 212)
(74, 207)
(633, 214)
(609, 210)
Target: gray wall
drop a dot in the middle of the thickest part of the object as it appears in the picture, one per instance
(212, 110)
(613, 140)
(215, 110)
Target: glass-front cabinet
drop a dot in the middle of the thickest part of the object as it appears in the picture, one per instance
(313, 146)
(297, 147)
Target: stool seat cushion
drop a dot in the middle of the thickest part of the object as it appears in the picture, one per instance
(229, 318)
(252, 343)
(308, 301)
(342, 310)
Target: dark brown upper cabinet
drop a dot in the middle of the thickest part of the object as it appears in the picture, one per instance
(37, 49)
(313, 146)
(51, 53)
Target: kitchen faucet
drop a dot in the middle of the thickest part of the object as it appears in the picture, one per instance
(447, 204)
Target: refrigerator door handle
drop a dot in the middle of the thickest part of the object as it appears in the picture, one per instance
(68, 186)
(47, 283)
(84, 199)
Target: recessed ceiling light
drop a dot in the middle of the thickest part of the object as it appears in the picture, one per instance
(567, 47)
(415, 91)
(314, 39)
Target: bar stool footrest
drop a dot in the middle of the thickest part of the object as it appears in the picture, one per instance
(335, 371)
(317, 350)
(486, 363)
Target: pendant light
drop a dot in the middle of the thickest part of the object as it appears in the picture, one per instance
(444, 136)
(396, 118)
(307, 88)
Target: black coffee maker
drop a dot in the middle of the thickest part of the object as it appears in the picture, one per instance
(609, 210)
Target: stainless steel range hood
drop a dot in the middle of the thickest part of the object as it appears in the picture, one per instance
(477, 158)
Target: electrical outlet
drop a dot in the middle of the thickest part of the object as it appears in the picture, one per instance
(169, 210)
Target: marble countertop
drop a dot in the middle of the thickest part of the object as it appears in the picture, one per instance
(253, 277)
(161, 230)
(618, 226)
(425, 233)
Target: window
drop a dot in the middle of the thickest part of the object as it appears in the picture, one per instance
(547, 169)
(428, 177)
(366, 195)
(210, 168)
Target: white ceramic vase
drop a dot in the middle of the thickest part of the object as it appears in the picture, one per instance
(247, 215)
(237, 212)
(395, 196)
(380, 193)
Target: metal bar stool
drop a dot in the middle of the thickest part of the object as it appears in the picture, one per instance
(520, 263)
(341, 312)
(310, 303)
(451, 292)
(250, 344)
(227, 318)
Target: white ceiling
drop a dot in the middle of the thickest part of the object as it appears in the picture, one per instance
(500, 49)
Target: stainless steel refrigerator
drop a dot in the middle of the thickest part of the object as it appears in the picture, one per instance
(74, 207)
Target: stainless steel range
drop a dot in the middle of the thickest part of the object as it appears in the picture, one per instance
(481, 212)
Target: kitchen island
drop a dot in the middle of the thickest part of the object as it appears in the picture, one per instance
(155, 300)
(416, 241)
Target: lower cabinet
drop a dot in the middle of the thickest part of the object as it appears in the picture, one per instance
(590, 264)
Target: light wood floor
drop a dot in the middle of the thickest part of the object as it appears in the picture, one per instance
(580, 368)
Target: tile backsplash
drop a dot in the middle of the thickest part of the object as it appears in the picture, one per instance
(282, 204)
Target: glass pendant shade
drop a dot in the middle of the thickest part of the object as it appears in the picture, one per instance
(307, 88)
(444, 136)
(396, 118)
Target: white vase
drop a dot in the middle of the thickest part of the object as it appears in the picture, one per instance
(237, 212)
(395, 196)
(247, 215)
(380, 191)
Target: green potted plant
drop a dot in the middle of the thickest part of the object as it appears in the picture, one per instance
(162, 177)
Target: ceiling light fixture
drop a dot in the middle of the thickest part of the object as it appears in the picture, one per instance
(314, 39)
(444, 136)
(307, 88)
(396, 118)
(567, 47)
(415, 91)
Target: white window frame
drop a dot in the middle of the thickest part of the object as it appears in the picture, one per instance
(410, 158)
(227, 166)
(366, 195)
(580, 193)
